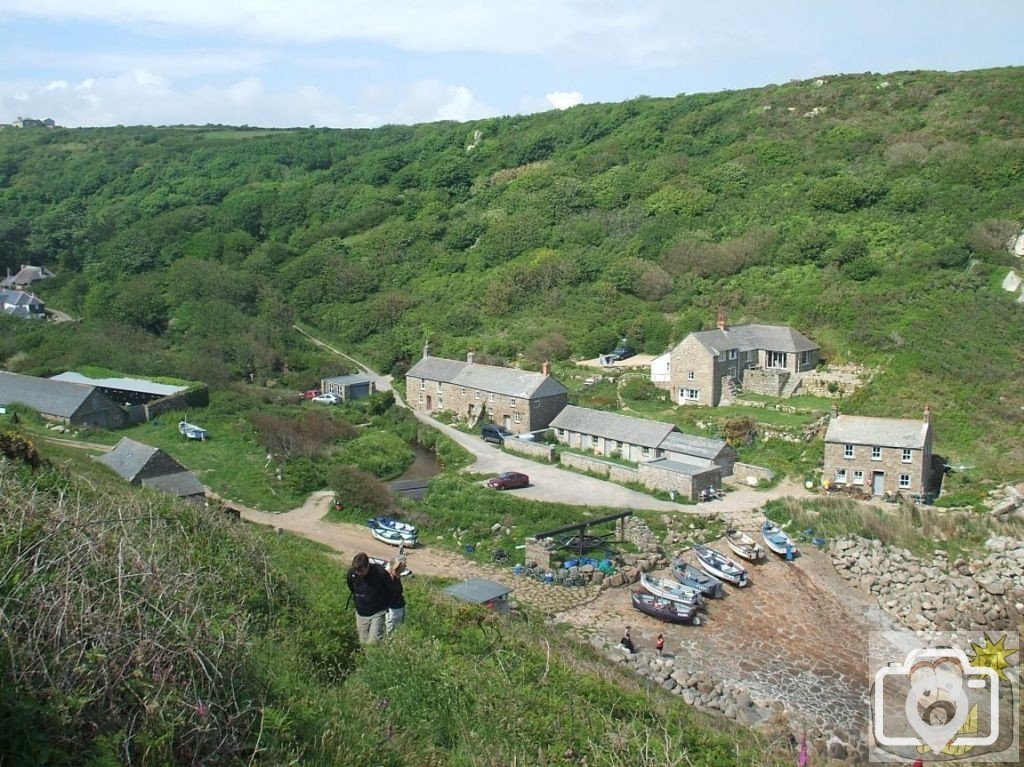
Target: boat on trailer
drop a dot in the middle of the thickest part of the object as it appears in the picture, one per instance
(777, 539)
(669, 589)
(667, 610)
(743, 545)
(688, 575)
(721, 566)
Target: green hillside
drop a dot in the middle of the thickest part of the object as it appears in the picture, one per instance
(871, 212)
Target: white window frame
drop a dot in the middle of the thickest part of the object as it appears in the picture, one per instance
(594, 440)
(848, 451)
(908, 455)
(439, 387)
(423, 384)
(517, 418)
(876, 453)
(561, 432)
(841, 476)
(462, 391)
(858, 477)
(645, 451)
(690, 376)
(490, 396)
(512, 402)
(904, 481)
(732, 354)
(477, 394)
(691, 395)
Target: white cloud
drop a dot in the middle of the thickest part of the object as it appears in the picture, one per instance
(564, 99)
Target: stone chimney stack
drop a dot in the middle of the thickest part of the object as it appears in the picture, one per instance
(470, 357)
(721, 320)
(546, 368)
(426, 349)
(835, 409)
(927, 414)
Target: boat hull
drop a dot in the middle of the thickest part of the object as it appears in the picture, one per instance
(721, 566)
(392, 538)
(777, 540)
(664, 609)
(743, 546)
(672, 591)
(688, 575)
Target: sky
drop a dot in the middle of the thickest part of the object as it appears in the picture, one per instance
(365, 63)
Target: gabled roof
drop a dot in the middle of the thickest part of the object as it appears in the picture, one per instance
(182, 484)
(884, 432)
(776, 338)
(129, 458)
(691, 444)
(19, 298)
(27, 275)
(126, 384)
(622, 428)
(56, 398)
(510, 382)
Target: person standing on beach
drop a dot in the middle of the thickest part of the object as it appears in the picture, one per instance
(659, 645)
(370, 586)
(396, 606)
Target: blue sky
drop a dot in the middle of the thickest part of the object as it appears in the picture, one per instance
(343, 63)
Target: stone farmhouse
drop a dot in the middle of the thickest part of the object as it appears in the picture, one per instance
(519, 400)
(667, 458)
(879, 455)
(711, 367)
(142, 464)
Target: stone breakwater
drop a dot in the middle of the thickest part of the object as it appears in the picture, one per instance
(985, 593)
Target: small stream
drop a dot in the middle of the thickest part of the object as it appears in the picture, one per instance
(425, 466)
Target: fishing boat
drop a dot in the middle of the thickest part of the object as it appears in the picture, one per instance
(777, 539)
(743, 545)
(192, 431)
(669, 589)
(694, 577)
(393, 531)
(664, 609)
(721, 566)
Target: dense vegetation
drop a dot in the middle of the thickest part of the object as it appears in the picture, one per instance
(140, 630)
(870, 212)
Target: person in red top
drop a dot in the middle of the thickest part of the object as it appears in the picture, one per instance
(659, 645)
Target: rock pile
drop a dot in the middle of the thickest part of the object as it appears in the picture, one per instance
(980, 593)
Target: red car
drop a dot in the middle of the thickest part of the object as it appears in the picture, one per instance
(508, 481)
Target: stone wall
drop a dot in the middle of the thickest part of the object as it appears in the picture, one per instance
(767, 382)
(744, 472)
(532, 449)
(652, 476)
(613, 471)
(923, 594)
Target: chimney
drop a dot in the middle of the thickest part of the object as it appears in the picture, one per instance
(426, 349)
(721, 320)
(546, 368)
(470, 357)
(927, 414)
(835, 409)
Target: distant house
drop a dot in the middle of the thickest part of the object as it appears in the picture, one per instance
(26, 276)
(710, 367)
(128, 391)
(70, 403)
(349, 387)
(142, 464)
(639, 439)
(519, 400)
(661, 370)
(879, 455)
(19, 303)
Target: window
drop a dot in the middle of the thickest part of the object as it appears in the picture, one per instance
(904, 481)
(462, 390)
(490, 397)
(907, 455)
(513, 402)
(477, 394)
(594, 440)
(805, 358)
(420, 399)
(561, 432)
(517, 418)
(841, 476)
(618, 445)
(659, 453)
(776, 360)
(423, 384)
(439, 387)
(848, 451)
(732, 354)
(858, 477)
(689, 376)
(752, 355)
(645, 451)
(691, 394)
(876, 453)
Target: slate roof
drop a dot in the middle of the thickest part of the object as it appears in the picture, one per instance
(352, 380)
(26, 276)
(883, 432)
(182, 484)
(129, 458)
(21, 304)
(622, 428)
(478, 590)
(127, 384)
(510, 382)
(680, 467)
(776, 338)
(691, 444)
(56, 398)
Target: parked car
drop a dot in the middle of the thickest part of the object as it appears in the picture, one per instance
(491, 432)
(310, 393)
(508, 481)
(330, 398)
(623, 351)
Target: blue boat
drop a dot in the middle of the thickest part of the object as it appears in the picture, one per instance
(192, 431)
(688, 575)
(776, 539)
(393, 531)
